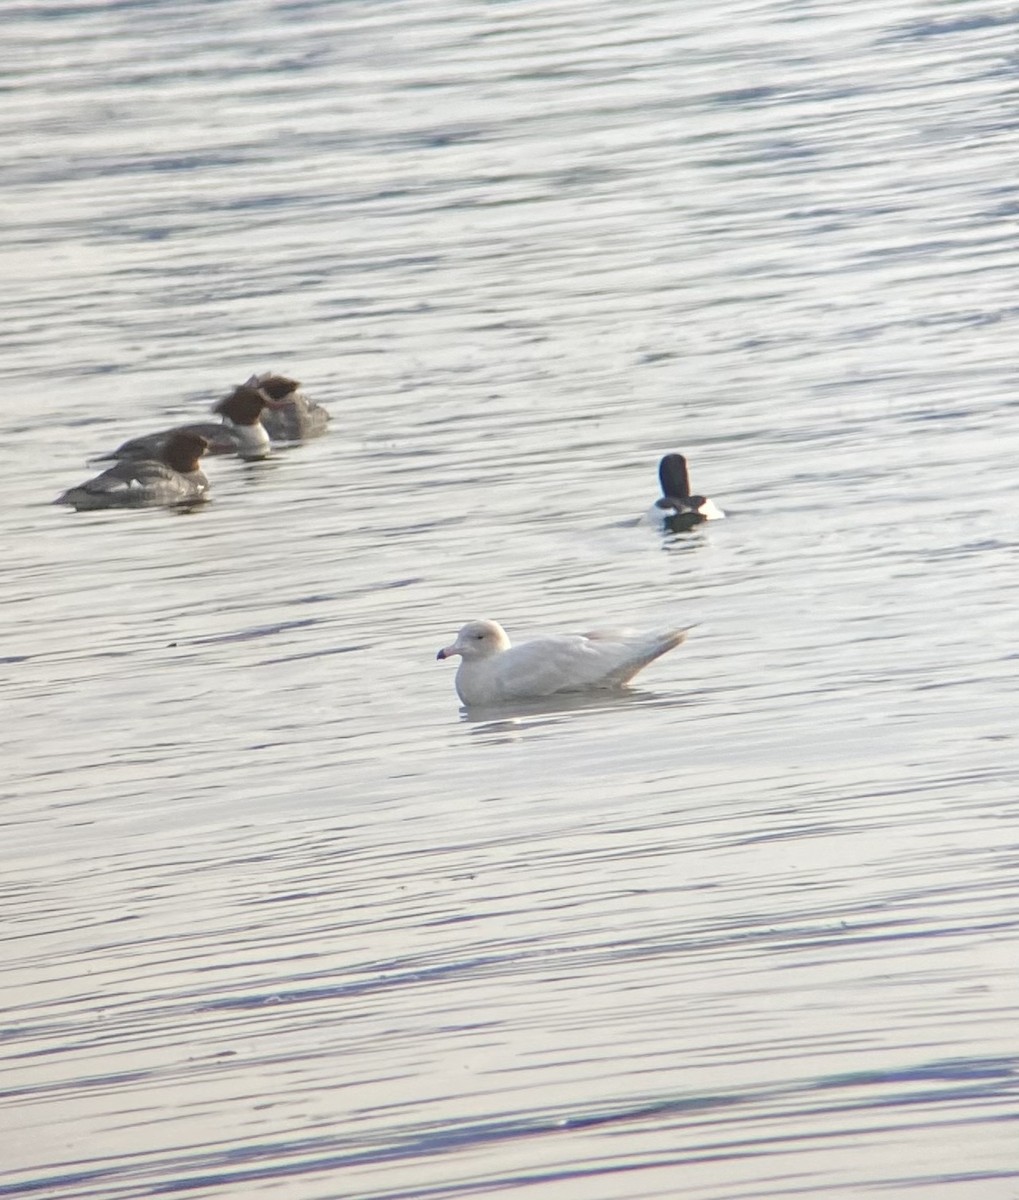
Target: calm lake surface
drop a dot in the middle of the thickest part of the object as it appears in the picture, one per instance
(280, 918)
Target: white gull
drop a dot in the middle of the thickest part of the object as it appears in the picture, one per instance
(493, 670)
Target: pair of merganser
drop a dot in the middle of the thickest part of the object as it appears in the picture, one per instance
(161, 468)
(265, 408)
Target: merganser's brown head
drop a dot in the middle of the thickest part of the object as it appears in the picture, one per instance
(183, 450)
(244, 405)
(276, 387)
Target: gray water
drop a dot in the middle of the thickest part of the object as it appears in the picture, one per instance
(280, 918)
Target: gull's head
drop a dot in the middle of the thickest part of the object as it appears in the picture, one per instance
(477, 639)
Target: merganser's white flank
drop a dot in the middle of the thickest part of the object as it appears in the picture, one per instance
(172, 478)
(492, 670)
(677, 509)
(292, 417)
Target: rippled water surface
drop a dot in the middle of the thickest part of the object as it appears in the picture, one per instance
(280, 918)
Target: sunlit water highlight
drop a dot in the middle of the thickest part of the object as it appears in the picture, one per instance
(279, 918)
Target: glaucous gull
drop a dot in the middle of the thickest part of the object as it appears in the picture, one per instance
(492, 670)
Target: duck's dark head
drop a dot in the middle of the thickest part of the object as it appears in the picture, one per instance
(244, 405)
(674, 478)
(183, 450)
(277, 387)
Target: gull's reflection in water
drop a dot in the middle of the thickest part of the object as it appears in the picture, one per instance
(509, 722)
